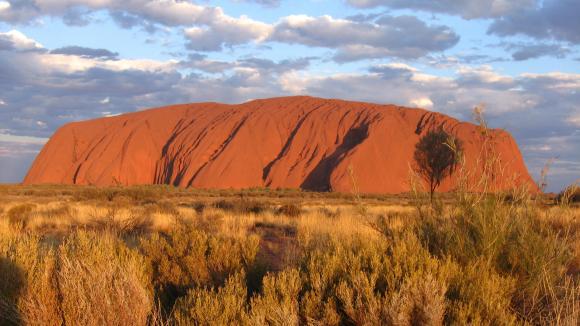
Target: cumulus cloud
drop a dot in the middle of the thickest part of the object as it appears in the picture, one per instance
(531, 51)
(43, 90)
(209, 22)
(468, 9)
(208, 28)
(226, 31)
(166, 12)
(385, 36)
(402, 36)
(7, 138)
(574, 119)
(86, 52)
(15, 160)
(202, 63)
(4, 5)
(265, 3)
(541, 110)
(77, 17)
(554, 19)
(421, 102)
(15, 40)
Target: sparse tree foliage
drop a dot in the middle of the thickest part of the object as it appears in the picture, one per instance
(436, 157)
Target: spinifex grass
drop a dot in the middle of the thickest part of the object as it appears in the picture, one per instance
(160, 259)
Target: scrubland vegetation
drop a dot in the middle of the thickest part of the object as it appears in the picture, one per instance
(165, 256)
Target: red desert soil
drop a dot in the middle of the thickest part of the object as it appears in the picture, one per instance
(290, 142)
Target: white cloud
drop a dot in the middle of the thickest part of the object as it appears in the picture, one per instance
(22, 139)
(56, 88)
(4, 5)
(208, 28)
(398, 36)
(421, 102)
(110, 114)
(468, 9)
(558, 81)
(539, 148)
(2, 102)
(69, 64)
(168, 12)
(226, 31)
(398, 65)
(484, 74)
(15, 40)
(549, 19)
(574, 119)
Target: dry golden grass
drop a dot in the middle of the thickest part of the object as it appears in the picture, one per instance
(164, 256)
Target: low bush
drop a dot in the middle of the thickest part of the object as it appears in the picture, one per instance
(512, 245)
(224, 306)
(290, 210)
(278, 303)
(90, 279)
(241, 206)
(226, 205)
(329, 213)
(61, 211)
(569, 195)
(19, 215)
(187, 258)
(480, 260)
(199, 207)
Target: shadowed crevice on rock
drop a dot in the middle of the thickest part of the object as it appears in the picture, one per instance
(165, 167)
(319, 178)
(221, 148)
(268, 167)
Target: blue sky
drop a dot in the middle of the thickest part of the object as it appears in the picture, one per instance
(68, 60)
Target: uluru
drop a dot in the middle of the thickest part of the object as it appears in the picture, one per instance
(289, 142)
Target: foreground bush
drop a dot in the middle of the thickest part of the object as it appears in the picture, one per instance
(89, 279)
(483, 260)
(569, 195)
(525, 260)
(187, 258)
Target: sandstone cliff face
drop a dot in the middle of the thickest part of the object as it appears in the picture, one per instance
(292, 142)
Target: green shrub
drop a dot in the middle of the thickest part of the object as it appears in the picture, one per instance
(187, 258)
(477, 295)
(278, 304)
(222, 307)
(480, 260)
(511, 244)
(420, 301)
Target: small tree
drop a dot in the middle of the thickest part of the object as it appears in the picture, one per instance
(436, 157)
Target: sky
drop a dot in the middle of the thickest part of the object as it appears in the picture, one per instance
(70, 60)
